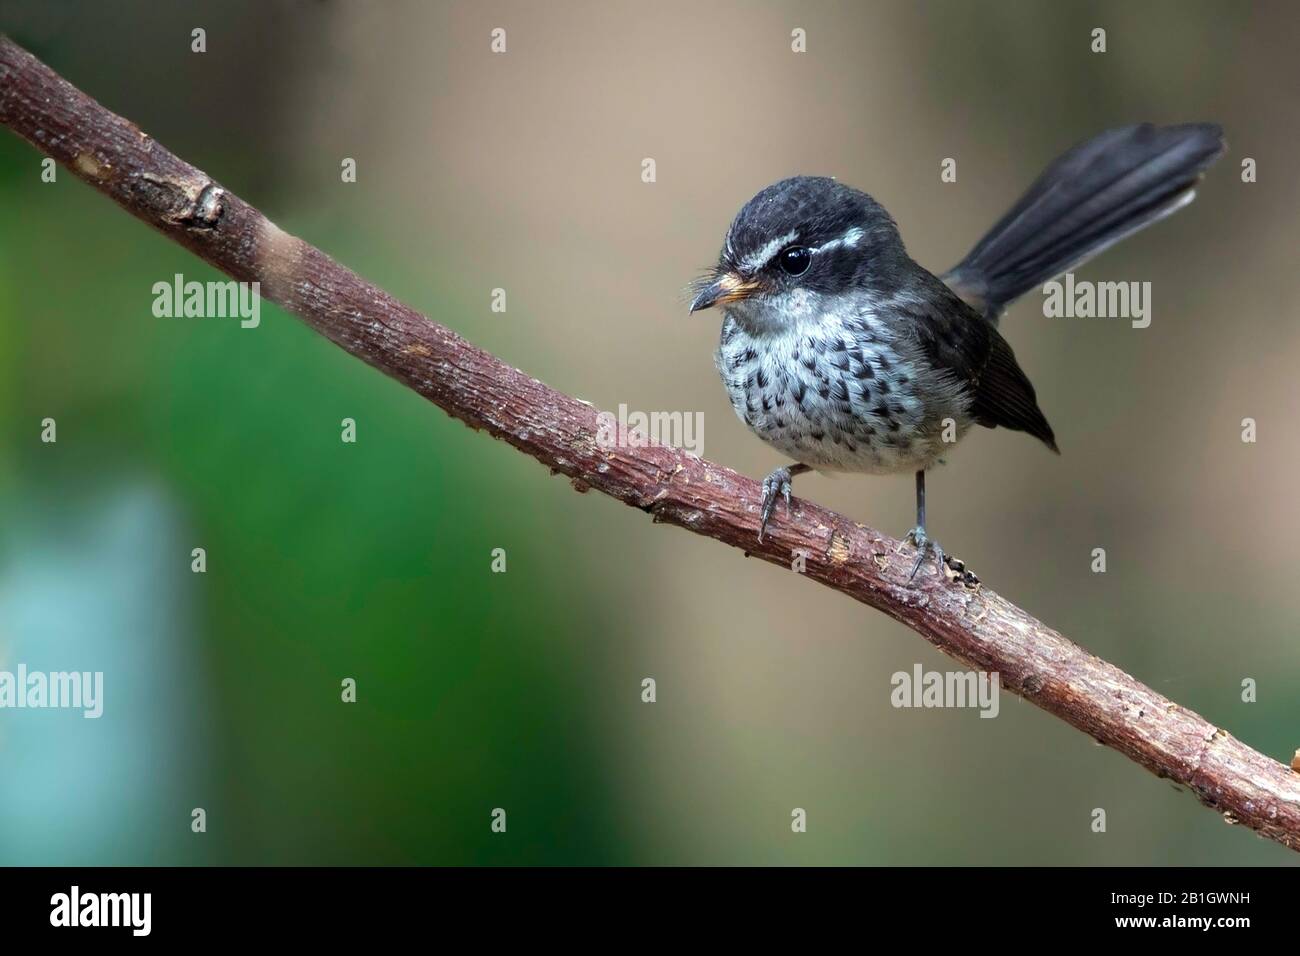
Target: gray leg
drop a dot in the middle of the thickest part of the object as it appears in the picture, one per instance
(778, 484)
(918, 536)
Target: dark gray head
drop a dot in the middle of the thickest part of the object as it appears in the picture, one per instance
(804, 238)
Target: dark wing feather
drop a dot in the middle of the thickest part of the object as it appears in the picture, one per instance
(956, 339)
(1004, 395)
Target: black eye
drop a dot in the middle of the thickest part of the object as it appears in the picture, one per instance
(795, 260)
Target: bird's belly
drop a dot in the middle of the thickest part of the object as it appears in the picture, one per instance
(827, 437)
(836, 405)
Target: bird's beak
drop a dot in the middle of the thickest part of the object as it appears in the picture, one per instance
(728, 287)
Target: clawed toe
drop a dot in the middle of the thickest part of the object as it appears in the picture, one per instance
(924, 546)
(954, 568)
(776, 485)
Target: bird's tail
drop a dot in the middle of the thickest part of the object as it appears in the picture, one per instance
(1099, 192)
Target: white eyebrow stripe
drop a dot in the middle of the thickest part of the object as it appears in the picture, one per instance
(761, 258)
(850, 239)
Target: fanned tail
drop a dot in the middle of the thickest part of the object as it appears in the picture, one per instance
(1099, 192)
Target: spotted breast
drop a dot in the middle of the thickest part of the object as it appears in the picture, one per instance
(840, 391)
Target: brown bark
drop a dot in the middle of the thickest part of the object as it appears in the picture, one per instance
(974, 626)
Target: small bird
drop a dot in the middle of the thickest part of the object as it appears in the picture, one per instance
(845, 355)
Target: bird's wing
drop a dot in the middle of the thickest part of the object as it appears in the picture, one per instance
(956, 340)
(1004, 395)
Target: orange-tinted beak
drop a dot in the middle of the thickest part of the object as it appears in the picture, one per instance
(728, 287)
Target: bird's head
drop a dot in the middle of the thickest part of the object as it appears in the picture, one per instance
(797, 243)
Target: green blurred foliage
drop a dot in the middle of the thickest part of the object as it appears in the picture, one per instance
(325, 560)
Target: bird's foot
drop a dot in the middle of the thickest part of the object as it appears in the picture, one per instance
(953, 568)
(924, 546)
(777, 484)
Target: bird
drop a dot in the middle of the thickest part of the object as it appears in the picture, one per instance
(845, 355)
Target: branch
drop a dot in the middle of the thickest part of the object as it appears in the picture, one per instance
(976, 627)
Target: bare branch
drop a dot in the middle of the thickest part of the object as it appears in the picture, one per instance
(976, 627)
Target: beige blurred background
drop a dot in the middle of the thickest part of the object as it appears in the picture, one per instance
(523, 171)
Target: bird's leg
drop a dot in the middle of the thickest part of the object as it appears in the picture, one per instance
(918, 536)
(778, 484)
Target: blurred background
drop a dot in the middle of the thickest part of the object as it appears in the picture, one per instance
(522, 690)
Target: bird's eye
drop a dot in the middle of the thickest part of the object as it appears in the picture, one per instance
(795, 260)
